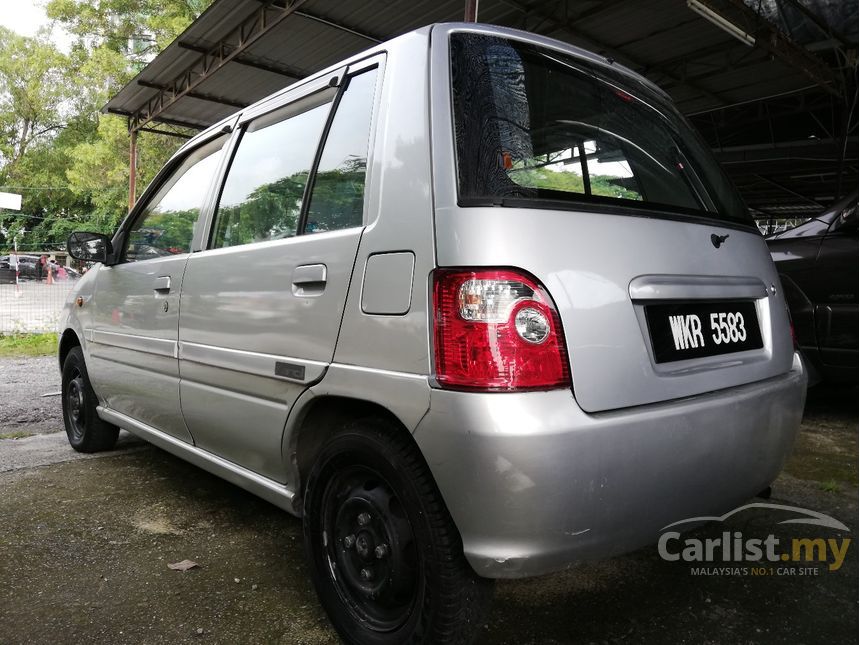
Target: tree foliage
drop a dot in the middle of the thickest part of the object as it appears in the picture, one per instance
(68, 161)
(571, 182)
(271, 211)
(137, 27)
(32, 90)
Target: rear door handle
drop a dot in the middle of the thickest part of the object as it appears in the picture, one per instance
(162, 284)
(309, 280)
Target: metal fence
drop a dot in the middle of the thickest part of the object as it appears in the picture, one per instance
(32, 306)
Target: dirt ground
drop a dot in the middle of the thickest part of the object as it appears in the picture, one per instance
(29, 396)
(85, 544)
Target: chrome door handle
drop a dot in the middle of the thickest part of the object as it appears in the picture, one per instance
(162, 284)
(309, 280)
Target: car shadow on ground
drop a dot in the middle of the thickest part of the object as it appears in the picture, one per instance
(87, 546)
(837, 401)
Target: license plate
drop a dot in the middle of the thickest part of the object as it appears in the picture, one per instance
(681, 331)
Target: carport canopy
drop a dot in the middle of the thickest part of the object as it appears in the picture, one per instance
(725, 78)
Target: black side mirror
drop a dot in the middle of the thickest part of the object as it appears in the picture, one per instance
(90, 247)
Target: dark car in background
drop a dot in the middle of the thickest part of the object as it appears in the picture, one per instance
(26, 265)
(817, 263)
(28, 270)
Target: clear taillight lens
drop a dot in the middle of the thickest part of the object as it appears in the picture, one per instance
(496, 329)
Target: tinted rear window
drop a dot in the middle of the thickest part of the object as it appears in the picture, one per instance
(535, 124)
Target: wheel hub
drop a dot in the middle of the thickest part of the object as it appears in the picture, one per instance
(364, 546)
(76, 400)
(75, 404)
(372, 556)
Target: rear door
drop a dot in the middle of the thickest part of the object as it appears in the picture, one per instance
(262, 305)
(132, 346)
(589, 179)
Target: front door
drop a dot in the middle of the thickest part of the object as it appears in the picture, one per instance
(262, 305)
(132, 345)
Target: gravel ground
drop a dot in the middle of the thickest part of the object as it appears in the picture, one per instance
(84, 548)
(24, 382)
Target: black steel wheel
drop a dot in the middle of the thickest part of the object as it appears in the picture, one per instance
(387, 561)
(370, 542)
(86, 431)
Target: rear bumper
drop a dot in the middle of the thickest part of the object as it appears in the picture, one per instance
(534, 483)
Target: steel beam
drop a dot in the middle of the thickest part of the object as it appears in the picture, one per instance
(251, 62)
(608, 51)
(176, 122)
(771, 39)
(825, 28)
(355, 31)
(237, 41)
(815, 151)
(603, 7)
(167, 133)
(340, 26)
(788, 190)
(197, 95)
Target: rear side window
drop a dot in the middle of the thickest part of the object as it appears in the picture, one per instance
(166, 225)
(533, 124)
(263, 192)
(337, 200)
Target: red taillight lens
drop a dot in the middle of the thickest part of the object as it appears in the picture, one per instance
(496, 329)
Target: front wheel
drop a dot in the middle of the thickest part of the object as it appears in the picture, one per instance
(86, 431)
(386, 559)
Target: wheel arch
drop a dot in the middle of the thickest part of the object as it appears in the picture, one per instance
(317, 420)
(68, 340)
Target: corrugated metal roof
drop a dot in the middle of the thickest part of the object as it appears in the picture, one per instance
(698, 64)
(705, 70)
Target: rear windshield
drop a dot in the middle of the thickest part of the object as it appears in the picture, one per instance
(533, 124)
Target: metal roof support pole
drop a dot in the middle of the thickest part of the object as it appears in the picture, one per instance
(132, 169)
(788, 190)
(471, 11)
(844, 148)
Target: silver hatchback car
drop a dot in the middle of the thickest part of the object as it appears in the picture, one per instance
(474, 304)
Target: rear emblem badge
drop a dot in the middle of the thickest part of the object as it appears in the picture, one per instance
(717, 240)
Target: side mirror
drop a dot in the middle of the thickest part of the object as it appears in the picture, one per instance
(847, 221)
(90, 247)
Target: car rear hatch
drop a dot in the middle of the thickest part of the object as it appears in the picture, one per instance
(591, 182)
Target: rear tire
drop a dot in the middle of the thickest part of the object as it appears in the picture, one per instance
(86, 431)
(386, 559)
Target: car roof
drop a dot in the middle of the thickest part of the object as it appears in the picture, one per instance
(444, 28)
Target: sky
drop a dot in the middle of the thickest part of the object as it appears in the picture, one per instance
(26, 17)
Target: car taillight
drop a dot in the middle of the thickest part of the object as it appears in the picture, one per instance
(498, 330)
(791, 328)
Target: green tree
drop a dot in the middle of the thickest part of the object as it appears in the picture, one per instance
(114, 38)
(270, 211)
(32, 91)
(139, 28)
(35, 96)
(69, 161)
(99, 169)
